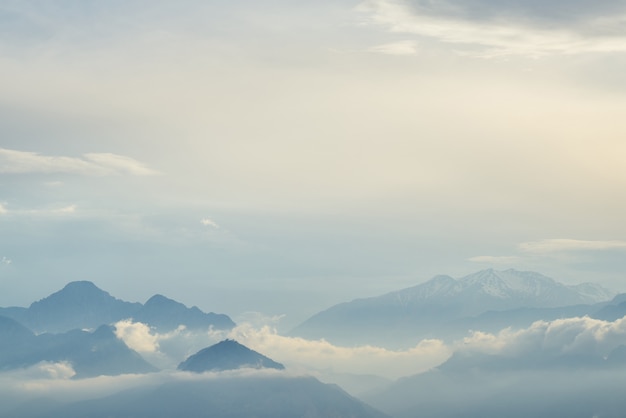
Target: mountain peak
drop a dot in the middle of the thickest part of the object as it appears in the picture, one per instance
(80, 284)
(160, 300)
(80, 304)
(227, 355)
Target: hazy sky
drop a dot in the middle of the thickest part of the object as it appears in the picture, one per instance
(282, 156)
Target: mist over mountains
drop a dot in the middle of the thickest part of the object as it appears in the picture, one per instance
(444, 307)
(493, 339)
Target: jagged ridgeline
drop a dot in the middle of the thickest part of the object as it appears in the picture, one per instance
(448, 308)
(82, 305)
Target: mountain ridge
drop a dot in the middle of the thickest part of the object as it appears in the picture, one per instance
(83, 305)
(425, 310)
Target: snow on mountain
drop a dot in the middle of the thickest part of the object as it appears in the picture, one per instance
(434, 308)
(523, 288)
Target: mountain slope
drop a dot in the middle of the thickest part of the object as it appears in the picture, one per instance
(227, 355)
(428, 309)
(90, 353)
(79, 305)
(226, 397)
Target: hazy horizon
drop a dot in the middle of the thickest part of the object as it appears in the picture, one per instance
(282, 157)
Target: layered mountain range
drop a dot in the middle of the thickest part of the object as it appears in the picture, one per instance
(82, 305)
(445, 307)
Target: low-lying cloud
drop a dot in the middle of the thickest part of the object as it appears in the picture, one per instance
(167, 350)
(584, 336)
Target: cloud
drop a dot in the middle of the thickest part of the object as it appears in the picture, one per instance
(44, 370)
(321, 355)
(5, 261)
(3, 210)
(119, 164)
(505, 32)
(137, 336)
(67, 209)
(396, 48)
(547, 246)
(209, 222)
(167, 350)
(562, 336)
(94, 164)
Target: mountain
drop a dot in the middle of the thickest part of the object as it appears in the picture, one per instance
(82, 305)
(434, 308)
(224, 397)
(542, 382)
(15, 340)
(79, 305)
(613, 310)
(90, 353)
(166, 314)
(227, 355)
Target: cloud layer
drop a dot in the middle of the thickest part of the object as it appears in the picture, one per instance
(490, 29)
(167, 350)
(93, 164)
(569, 336)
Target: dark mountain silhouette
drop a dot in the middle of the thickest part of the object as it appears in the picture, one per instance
(225, 397)
(90, 353)
(445, 307)
(227, 355)
(166, 314)
(82, 305)
(79, 305)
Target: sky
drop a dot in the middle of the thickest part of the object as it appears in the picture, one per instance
(284, 156)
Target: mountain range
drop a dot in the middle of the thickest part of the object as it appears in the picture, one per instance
(82, 305)
(90, 353)
(542, 384)
(444, 307)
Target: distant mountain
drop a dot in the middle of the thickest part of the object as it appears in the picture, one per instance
(227, 355)
(90, 353)
(545, 383)
(166, 314)
(82, 305)
(434, 308)
(613, 310)
(224, 397)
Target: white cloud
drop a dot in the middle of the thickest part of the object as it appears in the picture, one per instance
(67, 209)
(5, 261)
(297, 354)
(137, 336)
(209, 222)
(44, 370)
(562, 336)
(119, 164)
(497, 37)
(3, 210)
(396, 48)
(321, 355)
(96, 164)
(564, 245)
